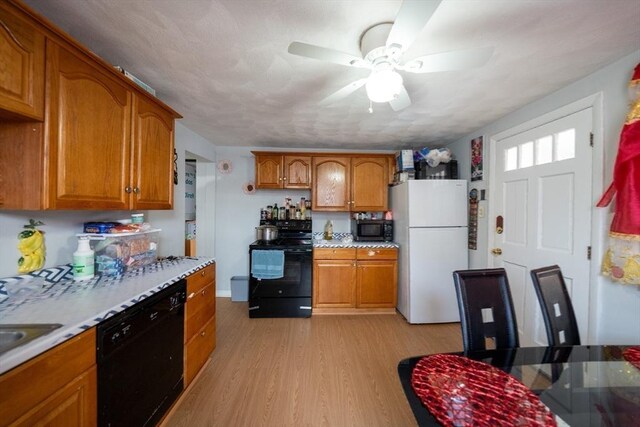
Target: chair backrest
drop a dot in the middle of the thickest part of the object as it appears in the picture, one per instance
(486, 308)
(555, 303)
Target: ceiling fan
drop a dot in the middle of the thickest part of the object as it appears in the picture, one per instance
(382, 47)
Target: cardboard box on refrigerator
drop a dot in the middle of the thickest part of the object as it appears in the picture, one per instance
(404, 160)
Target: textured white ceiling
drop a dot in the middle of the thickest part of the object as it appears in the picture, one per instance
(223, 64)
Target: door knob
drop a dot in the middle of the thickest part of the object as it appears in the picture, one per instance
(496, 251)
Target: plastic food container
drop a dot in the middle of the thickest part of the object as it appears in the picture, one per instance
(98, 227)
(137, 218)
(116, 254)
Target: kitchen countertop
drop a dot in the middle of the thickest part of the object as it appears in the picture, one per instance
(335, 243)
(79, 306)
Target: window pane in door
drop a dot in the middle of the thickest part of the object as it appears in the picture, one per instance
(511, 159)
(566, 145)
(526, 155)
(544, 150)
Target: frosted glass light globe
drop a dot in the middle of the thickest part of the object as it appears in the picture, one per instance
(383, 85)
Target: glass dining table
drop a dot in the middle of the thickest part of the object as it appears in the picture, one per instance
(580, 385)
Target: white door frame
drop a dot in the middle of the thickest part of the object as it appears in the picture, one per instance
(598, 217)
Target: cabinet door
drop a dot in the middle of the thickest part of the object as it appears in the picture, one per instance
(198, 350)
(269, 171)
(74, 405)
(297, 172)
(152, 186)
(334, 283)
(21, 66)
(331, 187)
(89, 119)
(369, 184)
(377, 284)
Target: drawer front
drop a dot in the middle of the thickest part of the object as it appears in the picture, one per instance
(200, 279)
(334, 253)
(198, 350)
(377, 253)
(201, 307)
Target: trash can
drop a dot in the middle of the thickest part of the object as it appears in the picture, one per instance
(240, 288)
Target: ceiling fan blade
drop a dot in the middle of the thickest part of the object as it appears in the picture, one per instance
(326, 54)
(411, 19)
(449, 61)
(343, 93)
(402, 101)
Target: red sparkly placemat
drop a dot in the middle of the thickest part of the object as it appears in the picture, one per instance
(462, 392)
(632, 355)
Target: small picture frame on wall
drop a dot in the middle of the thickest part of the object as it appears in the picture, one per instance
(476, 159)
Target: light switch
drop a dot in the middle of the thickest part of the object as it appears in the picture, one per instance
(480, 211)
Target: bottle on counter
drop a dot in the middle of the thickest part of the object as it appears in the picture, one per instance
(275, 213)
(303, 210)
(83, 260)
(282, 214)
(269, 211)
(328, 230)
(298, 211)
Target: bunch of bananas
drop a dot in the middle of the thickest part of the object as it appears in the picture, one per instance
(31, 246)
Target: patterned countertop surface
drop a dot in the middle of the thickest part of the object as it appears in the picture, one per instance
(79, 306)
(345, 240)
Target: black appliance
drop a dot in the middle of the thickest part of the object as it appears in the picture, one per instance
(372, 230)
(289, 296)
(442, 171)
(140, 360)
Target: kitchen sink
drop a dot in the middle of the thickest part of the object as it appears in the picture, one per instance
(12, 336)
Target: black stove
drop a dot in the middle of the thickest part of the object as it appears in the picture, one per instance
(289, 295)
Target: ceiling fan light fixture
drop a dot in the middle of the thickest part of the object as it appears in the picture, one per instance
(384, 85)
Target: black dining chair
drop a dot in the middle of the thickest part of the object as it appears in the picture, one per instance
(555, 303)
(486, 309)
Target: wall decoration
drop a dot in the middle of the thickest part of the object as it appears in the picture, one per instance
(225, 166)
(476, 159)
(31, 246)
(473, 219)
(249, 187)
(175, 167)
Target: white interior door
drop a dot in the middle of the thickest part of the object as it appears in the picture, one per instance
(543, 192)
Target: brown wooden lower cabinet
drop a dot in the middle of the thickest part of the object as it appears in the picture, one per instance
(351, 280)
(57, 388)
(200, 321)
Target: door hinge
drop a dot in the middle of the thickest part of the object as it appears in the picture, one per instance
(589, 252)
(591, 139)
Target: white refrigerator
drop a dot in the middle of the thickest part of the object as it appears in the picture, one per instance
(430, 225)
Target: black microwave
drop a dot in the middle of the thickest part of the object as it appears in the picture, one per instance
(372, 230)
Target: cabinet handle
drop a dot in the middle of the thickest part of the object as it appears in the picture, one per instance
(204, 292)
(202, 333)
(127, 190)
(191, 295)
(202, 273)
(354, 264)
(136, 190)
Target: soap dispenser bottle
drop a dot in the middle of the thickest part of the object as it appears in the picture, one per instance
(83, 260)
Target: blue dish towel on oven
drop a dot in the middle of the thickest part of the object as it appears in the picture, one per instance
(267, 264)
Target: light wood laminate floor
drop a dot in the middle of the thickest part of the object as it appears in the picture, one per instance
(322, 371)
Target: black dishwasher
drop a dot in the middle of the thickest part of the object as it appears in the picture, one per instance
(140, 360)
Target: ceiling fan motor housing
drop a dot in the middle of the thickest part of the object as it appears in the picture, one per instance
(373, 42)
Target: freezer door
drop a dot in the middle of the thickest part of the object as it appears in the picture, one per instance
(434, 254)
(437, 203)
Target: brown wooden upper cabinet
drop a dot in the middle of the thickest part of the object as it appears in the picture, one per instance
(277, 170)
(21, 66)
(104, 143)
(350, 183)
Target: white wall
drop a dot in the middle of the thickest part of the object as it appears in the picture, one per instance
(61, 226)
(615, 308)
(188, 145)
